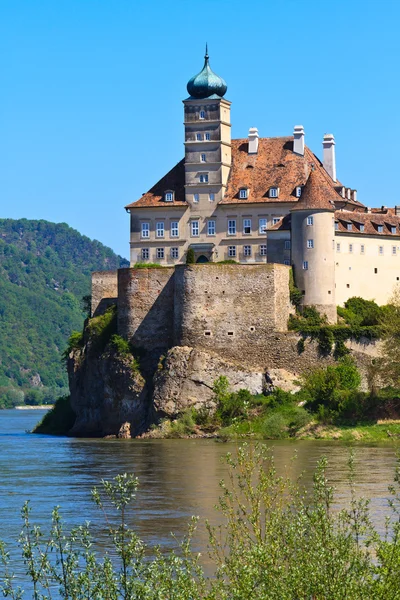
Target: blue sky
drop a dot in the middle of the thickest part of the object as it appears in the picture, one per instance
(90, 103)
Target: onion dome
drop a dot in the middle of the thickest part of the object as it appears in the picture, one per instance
(206, 83)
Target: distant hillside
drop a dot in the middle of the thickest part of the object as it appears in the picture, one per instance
(44, 273)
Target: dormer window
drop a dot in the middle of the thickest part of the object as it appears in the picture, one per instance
(349, 226)
(202, 114)
(336, 226)
(362, 228)
(273, 192)
(169, 196)
(243, 193)
(393, 229)
(298, 191)
(380, 228)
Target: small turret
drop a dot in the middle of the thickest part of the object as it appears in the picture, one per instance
(313, 251)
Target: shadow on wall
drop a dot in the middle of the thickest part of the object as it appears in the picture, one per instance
(103, 305)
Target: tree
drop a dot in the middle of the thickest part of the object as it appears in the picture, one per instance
(190, 258)
(390, 354)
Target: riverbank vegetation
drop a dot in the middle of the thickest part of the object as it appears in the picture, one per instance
(276, 541)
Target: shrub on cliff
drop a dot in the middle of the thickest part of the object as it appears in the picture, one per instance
(59, 420)
(276, 542)
(101, 328)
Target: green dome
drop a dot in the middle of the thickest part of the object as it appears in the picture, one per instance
(206, 83)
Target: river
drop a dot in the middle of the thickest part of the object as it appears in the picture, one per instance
(178, 478)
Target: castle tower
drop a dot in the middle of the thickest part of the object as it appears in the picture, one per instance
(207, 142)
(313, 253)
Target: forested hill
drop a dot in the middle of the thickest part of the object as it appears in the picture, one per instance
(44, 274)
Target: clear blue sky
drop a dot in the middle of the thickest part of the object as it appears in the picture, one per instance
(90, 103)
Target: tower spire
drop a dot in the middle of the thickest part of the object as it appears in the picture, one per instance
(206, 57)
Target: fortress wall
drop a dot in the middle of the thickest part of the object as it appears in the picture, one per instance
(104, 291)
(145, 306)
(231, 309)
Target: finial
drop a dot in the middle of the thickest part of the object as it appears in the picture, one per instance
(206, 55)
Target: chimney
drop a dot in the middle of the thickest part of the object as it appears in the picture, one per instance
(348, 194)
(354, 195)
(329, 155)
(397, 210)
(298, 143)
(253, 140)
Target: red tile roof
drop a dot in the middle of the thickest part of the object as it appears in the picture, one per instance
(174, 180)
(370, 222)
(317, 193)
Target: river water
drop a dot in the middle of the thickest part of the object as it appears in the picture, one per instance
(178, 478)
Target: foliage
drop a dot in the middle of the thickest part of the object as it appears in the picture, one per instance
(182, 427)
(59, 420)
(45, 270)
(389, 364)
(190, 257)
(10, 397)
(358, 312)
(147, 265)
(228, 261)
(75, 342)
(325, 340)
(276, 542)
(101, 328)
(295, 294)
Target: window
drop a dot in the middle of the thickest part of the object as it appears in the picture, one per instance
(287, 244)
(298, 191)
(310, 220)
(145, 254)
(310, 243)
(198, 137)
(203, 177)
(362, 228)
(194, 228)
(243, 193)
(376, 271)
(338, 247)
(211, 196)
(174, 253)
(169, 196)
(350, 248)
(380, 249)
(305, 265)
(202, 114)
(273, 192)
(362, 249)
(196, 197)
(207, 136)
(232, 227)
(276, 220)
(262, 225)
(246, 250)
(160, 252)
(263, 250)
(349, 226)
(174, 229)
(380, 228)
(160, 229)
(203, 157)
(394, 250)
(231, 251)
(336, 226)
(286, 262)
(393, 229)
(145, 233)
(211, 228)
(246, 226)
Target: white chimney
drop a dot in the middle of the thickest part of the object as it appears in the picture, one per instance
(298, 142)
(354, 195)
(329, 155)
(253, 140)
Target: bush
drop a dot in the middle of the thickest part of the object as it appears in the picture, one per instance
(274, 427)
(183, 426)
(101, 328)
(120, 345)
(59, 420)
(325, 386)
(190, 257)
(75, 342)
(325, 341)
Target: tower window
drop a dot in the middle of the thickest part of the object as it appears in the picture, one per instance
(298, 191)
(211, 196)
(310, 243)
(232, 251)
(381, 250)
(203, 177)
(196, 197)
(262, 225)
(145, 254)
(174, 253)
(160, 252)
(203, 157)
(232, 227)
(337, 247)
(194, 228)
(145, 232)
(246, 226)
(198, 137)
(202, 114)
(310, 220)
(243, 193)
(263, 250)
(160, 229)
(394, 250)
(169, 196)
(305, 265)
(350, 248)
(246, 250)
(274, 192)
(207, 136)
(362, 248)
(174, 229)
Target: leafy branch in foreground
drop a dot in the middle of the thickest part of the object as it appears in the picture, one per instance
(276, 541)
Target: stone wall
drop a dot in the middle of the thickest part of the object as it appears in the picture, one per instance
(145, 306)
(104, 291)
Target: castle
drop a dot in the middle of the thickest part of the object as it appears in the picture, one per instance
(262, 202)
